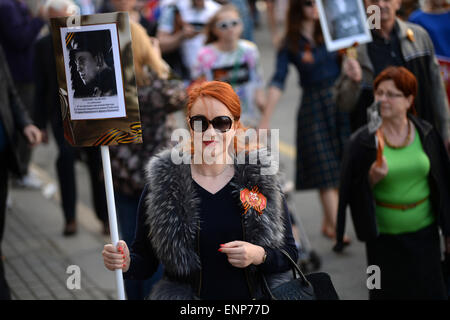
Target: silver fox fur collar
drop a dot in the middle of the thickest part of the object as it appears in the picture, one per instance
(174, 218)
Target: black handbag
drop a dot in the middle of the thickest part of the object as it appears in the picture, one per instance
(314, 286)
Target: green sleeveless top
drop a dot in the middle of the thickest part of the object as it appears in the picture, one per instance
(405, 183)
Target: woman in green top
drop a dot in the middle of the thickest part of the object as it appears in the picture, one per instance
(407, 250)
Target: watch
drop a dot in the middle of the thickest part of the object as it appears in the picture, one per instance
(264, 257)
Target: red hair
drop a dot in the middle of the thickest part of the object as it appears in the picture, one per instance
(220, 91)
(224, 93)
(404, 81)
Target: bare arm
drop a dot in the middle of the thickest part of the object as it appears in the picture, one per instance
(260, 99)
(169, 42)
(273, 96)
(271, 20)
(272, 23)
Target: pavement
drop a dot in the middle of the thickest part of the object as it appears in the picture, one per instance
(37, 256)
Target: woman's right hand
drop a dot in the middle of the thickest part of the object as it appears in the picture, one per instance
(352, 69)
(376, 173)
(116, 257)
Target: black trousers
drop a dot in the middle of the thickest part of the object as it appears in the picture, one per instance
(65, 167)
(4, 289)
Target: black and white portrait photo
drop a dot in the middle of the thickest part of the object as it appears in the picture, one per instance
(96, 79)
(343, 17)
(91, 64)
(343, 23)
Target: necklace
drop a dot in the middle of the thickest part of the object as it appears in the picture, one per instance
(404, 144)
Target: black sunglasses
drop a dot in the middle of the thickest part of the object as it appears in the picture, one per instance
(222, 123)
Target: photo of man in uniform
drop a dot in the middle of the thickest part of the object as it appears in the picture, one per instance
(91, 59)
(343, 18)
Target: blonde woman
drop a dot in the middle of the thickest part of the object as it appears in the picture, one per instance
(226, 57)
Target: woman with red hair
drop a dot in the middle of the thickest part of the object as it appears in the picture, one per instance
(398, 202)
(213, 222)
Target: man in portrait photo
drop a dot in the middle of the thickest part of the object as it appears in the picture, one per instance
(344, 19)
(91, 58)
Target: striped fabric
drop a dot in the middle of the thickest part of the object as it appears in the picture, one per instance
(322, 131)
(69, 37)
(119, 136)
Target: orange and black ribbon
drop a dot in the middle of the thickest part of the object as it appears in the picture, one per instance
(380, 148)
(308, 56)
(69, 37)
(121, 137)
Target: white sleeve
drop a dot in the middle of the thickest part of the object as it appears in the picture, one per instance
(166, 21)
(257, 71)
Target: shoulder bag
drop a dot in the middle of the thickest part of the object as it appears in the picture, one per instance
(314, 286)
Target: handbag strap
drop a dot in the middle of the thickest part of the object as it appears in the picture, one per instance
(294, 266)
(267, 288)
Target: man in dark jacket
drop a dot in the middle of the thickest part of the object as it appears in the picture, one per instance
(48, 110)
(18, 31)
(397, 43)
(14, 121)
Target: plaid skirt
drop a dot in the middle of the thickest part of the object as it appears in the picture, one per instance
(322, 131)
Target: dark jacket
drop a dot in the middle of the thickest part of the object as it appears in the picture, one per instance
(18, 30)
(418, 56)
(13, 115)
(168, 229)
(355, 188)
(46, 99)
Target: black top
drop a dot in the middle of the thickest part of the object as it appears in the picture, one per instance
(144, 261)
(385, 52)
(220, 216)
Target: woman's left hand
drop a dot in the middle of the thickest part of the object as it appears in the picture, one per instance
(241, 254)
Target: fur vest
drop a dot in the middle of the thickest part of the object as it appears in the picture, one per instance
(174, 219)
